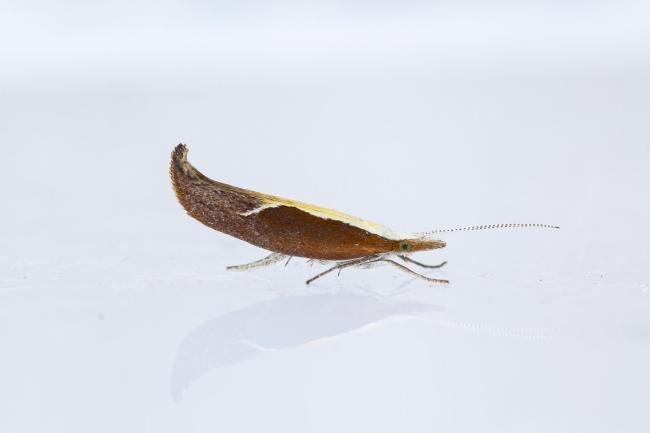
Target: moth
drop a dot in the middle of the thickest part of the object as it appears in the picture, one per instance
(290, 228)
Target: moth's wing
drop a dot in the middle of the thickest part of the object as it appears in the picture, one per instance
(271, 201)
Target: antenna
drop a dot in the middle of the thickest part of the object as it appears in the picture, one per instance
(489, 227)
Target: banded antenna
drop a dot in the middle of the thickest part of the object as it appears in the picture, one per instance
(489, 227)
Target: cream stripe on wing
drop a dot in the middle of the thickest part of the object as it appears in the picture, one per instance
(271, 201)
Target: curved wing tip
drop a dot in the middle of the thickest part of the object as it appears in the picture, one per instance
(180, 152)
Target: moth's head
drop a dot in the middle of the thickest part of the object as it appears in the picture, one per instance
(419, 244)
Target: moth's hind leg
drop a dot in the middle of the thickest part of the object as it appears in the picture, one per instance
(266, 261)
(423, 265)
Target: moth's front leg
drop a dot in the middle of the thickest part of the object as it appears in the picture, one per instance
(415, 262)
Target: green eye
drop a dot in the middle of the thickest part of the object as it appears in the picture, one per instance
(405, 246)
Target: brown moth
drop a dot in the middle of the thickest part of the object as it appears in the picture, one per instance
(290, 228)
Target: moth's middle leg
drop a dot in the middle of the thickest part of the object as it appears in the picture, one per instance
(342, 265)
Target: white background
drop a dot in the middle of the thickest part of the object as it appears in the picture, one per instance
(116, 312)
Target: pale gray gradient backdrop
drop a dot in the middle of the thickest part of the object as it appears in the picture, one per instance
(116, 313)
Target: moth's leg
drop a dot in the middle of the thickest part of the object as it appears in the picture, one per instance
(266, 261)
(409, 271)
(415, 262)
(342, 265)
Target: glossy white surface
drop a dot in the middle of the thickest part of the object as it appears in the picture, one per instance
(117, 314)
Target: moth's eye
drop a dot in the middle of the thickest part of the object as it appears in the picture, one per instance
(405, 246)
